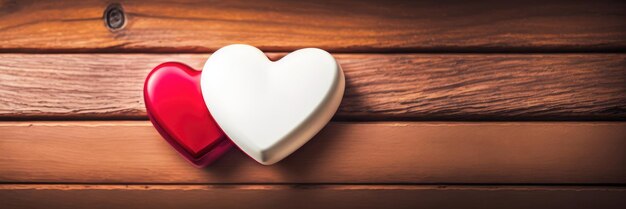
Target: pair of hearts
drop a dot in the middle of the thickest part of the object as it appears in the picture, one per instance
(267, 109)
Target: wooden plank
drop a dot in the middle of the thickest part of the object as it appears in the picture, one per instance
(309, 196)
(345, 26)
(383, 152)
(379, 86)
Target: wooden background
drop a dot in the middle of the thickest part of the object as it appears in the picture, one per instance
(484, 104)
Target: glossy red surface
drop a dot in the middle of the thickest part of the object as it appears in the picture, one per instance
(177, 110)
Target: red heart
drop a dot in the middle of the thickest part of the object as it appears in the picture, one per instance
(177, 110)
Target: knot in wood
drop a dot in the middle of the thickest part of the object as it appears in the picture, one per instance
(114, 17)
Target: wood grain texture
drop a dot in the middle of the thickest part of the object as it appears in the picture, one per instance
(338, 26)
(378, 86)
(383, 152)
(298, 196)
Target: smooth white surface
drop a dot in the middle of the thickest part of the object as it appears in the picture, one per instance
(270, 109)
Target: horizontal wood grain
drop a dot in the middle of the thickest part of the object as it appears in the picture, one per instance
(382, 152)
(288, 196)
(378, 86)
(338, 26)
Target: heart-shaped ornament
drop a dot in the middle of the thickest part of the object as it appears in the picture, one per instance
(175, 106)
(270, 109)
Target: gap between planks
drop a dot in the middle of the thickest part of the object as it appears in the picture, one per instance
(11, 186)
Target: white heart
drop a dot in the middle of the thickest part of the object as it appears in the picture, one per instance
(270, 109)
